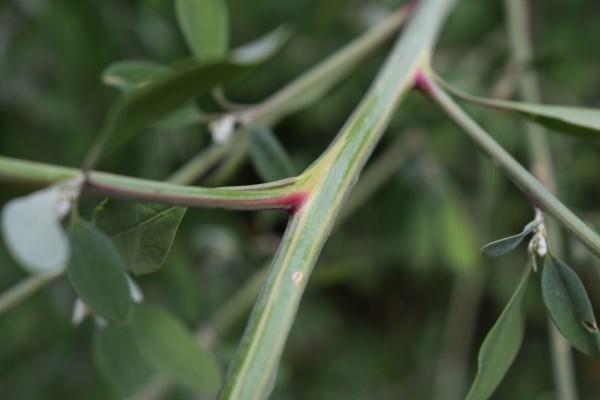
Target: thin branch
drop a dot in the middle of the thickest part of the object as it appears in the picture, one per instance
(283, 195)
(535, 191)
(24, 289)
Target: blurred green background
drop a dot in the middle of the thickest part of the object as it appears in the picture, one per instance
(400, 299)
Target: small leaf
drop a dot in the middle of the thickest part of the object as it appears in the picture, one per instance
(501, 345)
(205, 27)
(128, 75)
(263, 48)
(577, 121)
(143, 233)
(32, 229)
(569, 306)
(500, 247)
(118, 359)
(166, 345)
(97, 272)
(268, 155)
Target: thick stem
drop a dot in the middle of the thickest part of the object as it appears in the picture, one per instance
(542, 167)
(251, 374)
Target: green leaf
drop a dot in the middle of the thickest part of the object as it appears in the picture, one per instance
(577, 121)
(32, 229)
(500, 247)
(205, 27)
(118, 359)
(128, 75)
(97, 272)
(130, 114)
(143, 233)
(268, 156)
(501, 345)
(165, 343)
(569, 306)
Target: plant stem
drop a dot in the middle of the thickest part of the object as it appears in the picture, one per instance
(535, 191)
(542, 167)
(315, 83)
(329, 180)
(276, 195)
(27, 287)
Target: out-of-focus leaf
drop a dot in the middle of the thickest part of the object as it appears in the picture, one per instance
(97, 272)
(130, 114)
(501, 345)
(262, 48)
(205, 27)
(577, 121)
(128, 75)
(268, 155)
(170, 348)
(118, 359)
(143, 233)
(508, 244)
(569, 306)
(32, 230)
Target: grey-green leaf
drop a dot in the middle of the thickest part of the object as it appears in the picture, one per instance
(143, 233)
(128, 75)
(33, 234)
(118, 359)
(577, 121)
(500, 247)
(501, 345)
(569, 306)
(205, 27)
(166, 345)
(97, 272)
(262, 48)
(32, 229)
(268, 156)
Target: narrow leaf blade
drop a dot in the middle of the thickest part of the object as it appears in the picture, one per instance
(500, 247)
(268, 155)
(576, 121)
(143, 233)
(97, 272)
(118, 359)
(569, 306)
(165, 343)
(501, 345)
(205, 27)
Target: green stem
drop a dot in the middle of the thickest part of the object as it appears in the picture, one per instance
(515, 171)
(318, 81)
(276, 195)
(27, 287)
(543, 168)
(329, 180)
